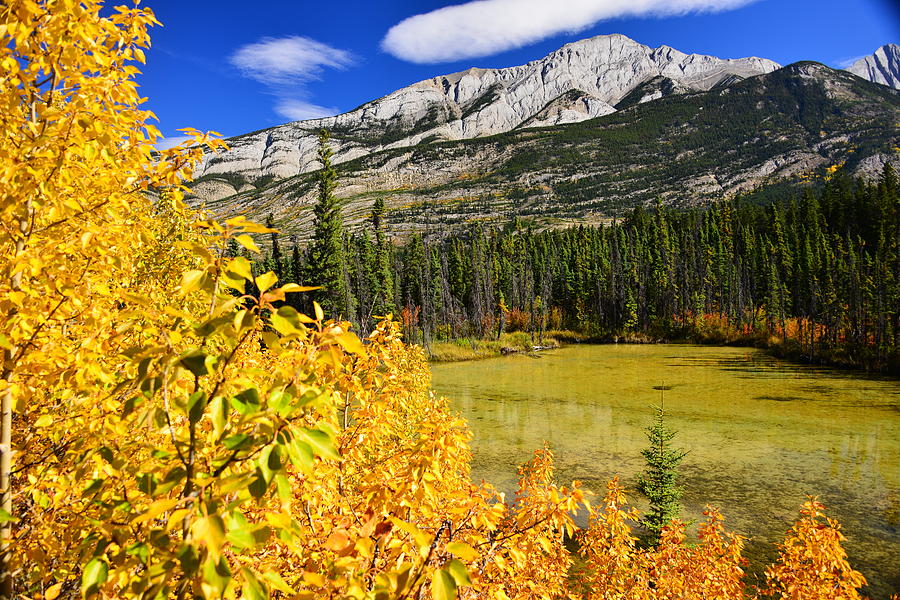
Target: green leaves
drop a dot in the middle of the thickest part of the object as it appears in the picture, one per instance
(197, 362)
(196, 405)
(320, 442)
(93, 577)
(269, 462)
(287, 321)
(216, 576)
(247, 402)
(237, 441)
(458, 572)
(300, 454)
(253, 589)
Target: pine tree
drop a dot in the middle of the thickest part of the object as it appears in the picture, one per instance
(384, 291)
(659, 481)
(277, 259)
(232, 249)
(327, 263)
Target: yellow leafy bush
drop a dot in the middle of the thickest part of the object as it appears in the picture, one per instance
(166, 434)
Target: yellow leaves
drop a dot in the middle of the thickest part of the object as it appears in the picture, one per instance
(313, 579)
(210, 531)
(266, 280)
(155, 509)
(53, 591)
(286, 321)
(812, 561)
(241, 223)
(240, 266)
(192, 281)
(462, 550)
(244, 319)
(247, 242)
(44, 421)
(320, 314)
(350, 342)
(443, 587)
(423, 540)
(338, 542)
(279, 445)
(294, 288)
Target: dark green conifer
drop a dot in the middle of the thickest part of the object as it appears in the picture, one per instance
(277, 262)
(327, 263)
(659, 480)
(384, 273)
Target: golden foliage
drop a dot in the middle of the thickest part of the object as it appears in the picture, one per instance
(177, 436)
(813, 563)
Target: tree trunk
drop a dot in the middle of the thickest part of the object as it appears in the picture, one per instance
(6, 406)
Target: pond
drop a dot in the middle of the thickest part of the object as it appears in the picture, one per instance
(761, 433)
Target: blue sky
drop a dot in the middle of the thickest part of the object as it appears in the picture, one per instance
(238, 66)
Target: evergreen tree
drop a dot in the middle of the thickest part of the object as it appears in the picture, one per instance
(327, 262)
(659, 480)
(233, 249)
(818, 275)
(277, 259)
(384, 278)
(296, 264)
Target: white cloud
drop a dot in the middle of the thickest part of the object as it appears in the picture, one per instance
(285, 66)
(485, 27)
(170, 142)
(300, 110)
(288, 60)
(846, 63)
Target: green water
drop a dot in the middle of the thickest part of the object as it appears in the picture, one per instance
(761, 435)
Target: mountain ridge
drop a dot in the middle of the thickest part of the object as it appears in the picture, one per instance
(478, 102)
(684, 148)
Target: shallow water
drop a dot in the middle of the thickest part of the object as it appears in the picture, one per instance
(761, 433)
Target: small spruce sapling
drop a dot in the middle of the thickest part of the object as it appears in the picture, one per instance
(658, 482)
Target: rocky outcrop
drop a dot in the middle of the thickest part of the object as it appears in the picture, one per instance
(580, 81)
(784, 128)
(881, 67)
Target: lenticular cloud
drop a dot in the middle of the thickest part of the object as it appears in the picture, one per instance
(485, 27)
(287, 60)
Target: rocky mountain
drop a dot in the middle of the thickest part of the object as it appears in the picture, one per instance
(684, 148)
(580, 81)
(881, 67)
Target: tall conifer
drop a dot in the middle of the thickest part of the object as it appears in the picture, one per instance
(327, 263)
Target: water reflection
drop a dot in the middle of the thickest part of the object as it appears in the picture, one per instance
(761, 434)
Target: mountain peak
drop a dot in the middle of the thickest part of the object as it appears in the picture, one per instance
(582, 80)
(883, 66)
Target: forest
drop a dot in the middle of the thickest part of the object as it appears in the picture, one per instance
(812, 274)
(172, 427)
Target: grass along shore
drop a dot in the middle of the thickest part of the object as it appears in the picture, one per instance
(509, 343)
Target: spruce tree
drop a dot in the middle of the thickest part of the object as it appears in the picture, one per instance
(327, 263)
(659, 480)
(277, 259)
(384, 290)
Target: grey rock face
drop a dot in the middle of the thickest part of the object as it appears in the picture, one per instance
(580, 81)
(882, 67)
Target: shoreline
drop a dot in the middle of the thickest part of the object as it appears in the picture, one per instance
(467, 350)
